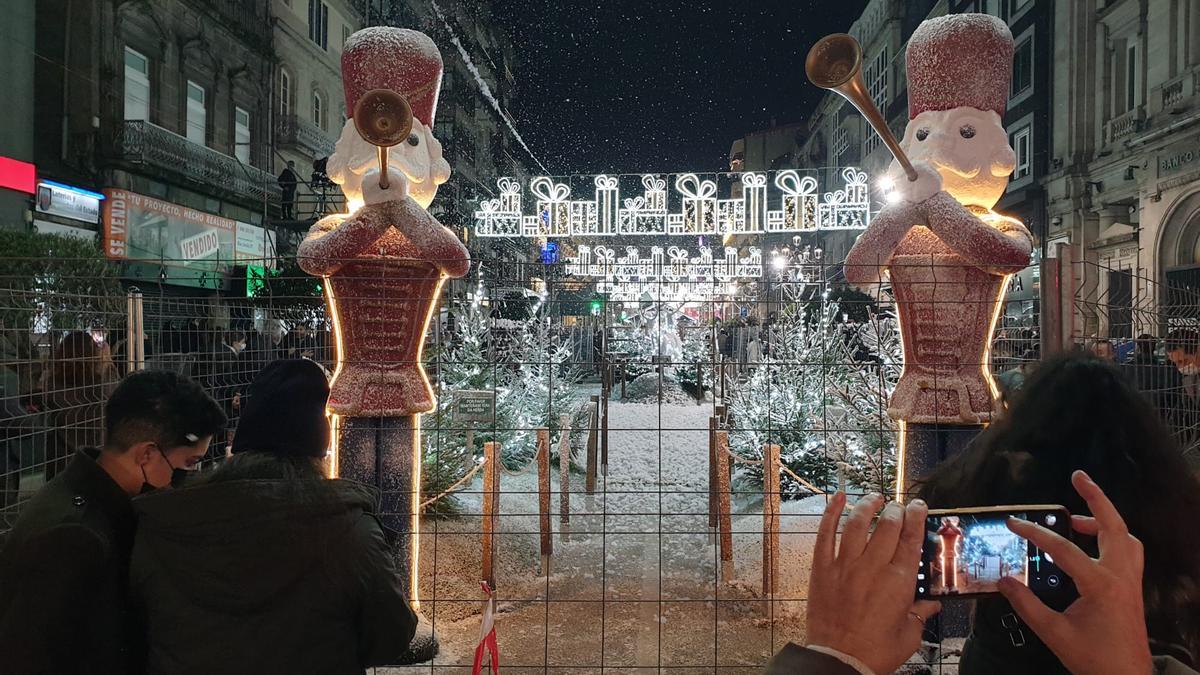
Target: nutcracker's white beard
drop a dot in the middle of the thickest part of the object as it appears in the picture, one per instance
(422, 165)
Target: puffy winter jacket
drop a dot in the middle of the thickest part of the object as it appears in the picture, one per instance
(267, 576)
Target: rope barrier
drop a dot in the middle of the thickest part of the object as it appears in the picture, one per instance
(457, 484)
(523, 470)
(758, 462)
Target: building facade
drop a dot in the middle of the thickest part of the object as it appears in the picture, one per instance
(164, 108)
(1124, 180)
(16, 133)
(309, 106)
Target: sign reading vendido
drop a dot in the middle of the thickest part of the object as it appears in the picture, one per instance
(144, 229)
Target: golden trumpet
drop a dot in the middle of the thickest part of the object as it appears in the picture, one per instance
(383, 118)
(835, 63)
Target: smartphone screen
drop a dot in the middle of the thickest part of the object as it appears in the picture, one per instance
(967, 551)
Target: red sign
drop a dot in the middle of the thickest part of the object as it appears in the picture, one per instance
(18, 175)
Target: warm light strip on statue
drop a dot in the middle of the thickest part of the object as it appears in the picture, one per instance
(415, 496)
(991, 333)
(334, 459)
(902, 443)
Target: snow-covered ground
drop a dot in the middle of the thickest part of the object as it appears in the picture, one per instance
(634, 576)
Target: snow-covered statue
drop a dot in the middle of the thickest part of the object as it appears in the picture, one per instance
(945, 252)
(384, 265)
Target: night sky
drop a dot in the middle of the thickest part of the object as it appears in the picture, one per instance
(636, 86)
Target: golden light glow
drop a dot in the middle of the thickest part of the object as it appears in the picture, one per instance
(415, 497)
(340, 353)
(353, 205)
(902, 444)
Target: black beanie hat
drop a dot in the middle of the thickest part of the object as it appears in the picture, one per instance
(284, 413)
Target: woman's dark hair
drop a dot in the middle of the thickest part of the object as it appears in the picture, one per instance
(1080, 412)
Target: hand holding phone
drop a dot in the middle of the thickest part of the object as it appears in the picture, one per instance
(966, 552)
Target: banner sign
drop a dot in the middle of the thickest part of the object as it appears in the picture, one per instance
(145, 229)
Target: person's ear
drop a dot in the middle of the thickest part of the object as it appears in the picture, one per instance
(143, 452)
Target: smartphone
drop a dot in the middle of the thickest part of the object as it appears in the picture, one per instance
(967, 551)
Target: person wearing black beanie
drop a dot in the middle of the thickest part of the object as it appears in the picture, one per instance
(284, 411)
(267, 551)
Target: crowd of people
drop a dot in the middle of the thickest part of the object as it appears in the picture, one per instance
(129, 556)
(53, 406)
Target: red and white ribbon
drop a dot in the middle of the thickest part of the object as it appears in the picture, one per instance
(487, 635)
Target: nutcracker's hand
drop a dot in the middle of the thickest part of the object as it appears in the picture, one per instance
(397, 187)
(927, 184)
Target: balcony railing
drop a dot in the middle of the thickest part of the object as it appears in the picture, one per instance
(144, 143)
(300, 134)
(1123, 125)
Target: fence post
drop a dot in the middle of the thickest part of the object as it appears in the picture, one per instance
(593, 434)
(564, 476)
(491, 508)
(543, 462)
(712, 476)
(724, 517)
(770, 518)
(604, 436)
(138, 346)
(130, 332)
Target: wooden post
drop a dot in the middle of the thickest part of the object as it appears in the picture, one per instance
(543, 461)
(770, 519)
(604, 436)
(712, 473)
(724, 517)
(491, 508)
(593, 439)
(564, 475)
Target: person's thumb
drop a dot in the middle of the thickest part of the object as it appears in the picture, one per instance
(1044, 621)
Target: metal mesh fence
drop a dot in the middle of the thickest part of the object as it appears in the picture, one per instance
(641, 479)
(1149, 327)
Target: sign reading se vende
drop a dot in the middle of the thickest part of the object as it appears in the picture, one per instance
(138, 227)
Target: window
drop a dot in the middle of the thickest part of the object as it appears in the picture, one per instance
(241, 135)
(345, 35)
(285, 93)
(841, 142)
(876, 76)
(1022, 78)
(1022, 144)
(318, 110)
(197, 114)
(318, 23)
(137, 86)
(1131, 76)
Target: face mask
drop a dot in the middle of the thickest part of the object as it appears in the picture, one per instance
(178, 477)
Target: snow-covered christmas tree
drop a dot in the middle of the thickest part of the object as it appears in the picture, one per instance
(821, 394)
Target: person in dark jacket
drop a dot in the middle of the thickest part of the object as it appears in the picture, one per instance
(286, 571)
(64, 568)
(1160, 382)
(1079, 412)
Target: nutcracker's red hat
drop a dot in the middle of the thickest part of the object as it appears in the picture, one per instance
(405, 61)
(957, 61)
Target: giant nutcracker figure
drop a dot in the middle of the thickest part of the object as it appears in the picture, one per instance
(384, 265)
(946, 254)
